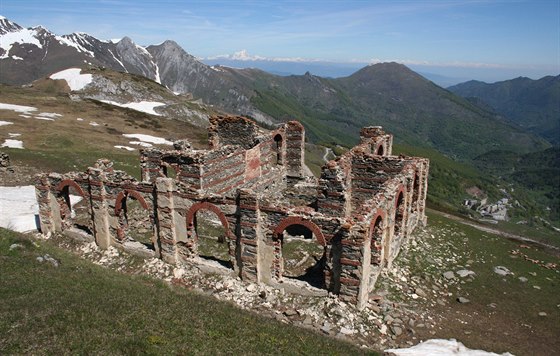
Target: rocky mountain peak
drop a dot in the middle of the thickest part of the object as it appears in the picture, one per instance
(8, 26)
(125, 41)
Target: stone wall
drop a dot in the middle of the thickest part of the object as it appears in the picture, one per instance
(4, 160)
(360, 212)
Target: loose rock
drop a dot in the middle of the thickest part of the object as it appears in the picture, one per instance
(449, 275)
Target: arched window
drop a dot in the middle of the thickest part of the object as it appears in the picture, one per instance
(277, 156)
(376, 241)
(399, 215)
(380, 150)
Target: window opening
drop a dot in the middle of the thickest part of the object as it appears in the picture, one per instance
(75, 210)
(303, 257)
(211, 235)
(136, 222)
(277, 158)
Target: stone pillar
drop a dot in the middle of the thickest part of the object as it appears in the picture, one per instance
(335, 195)
(247, 228)
(351, 266)
(166, 224)
(100, 208)
(423, 192)
(49, 212)
(295, 149)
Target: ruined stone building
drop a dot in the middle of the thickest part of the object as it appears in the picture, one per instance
(358, 214)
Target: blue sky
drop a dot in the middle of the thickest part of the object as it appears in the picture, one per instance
(488, 39)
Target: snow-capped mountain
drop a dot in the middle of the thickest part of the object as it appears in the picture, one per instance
(33, 53)
(27, 54)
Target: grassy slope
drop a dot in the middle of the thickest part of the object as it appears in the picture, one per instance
(68, 144)
(513, 324)
(449, 180)
(81, 308)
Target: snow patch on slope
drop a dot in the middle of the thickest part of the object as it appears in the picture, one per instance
(20, 211)
(441, 347)
(125, 148)
(143, 106)
(19, 208)
(75, 80)
(149, 139)
(9, 143)
(17, 108)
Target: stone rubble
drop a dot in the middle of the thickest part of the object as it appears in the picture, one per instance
(393, 313)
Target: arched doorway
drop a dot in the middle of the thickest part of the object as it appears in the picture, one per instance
(75, 210)
(380, 150)
(135, 221)
(300, 251)
(209, 228)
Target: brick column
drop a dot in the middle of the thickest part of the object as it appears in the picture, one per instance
(49, 211)
(166, 224)
(295, 149)
(99, 207)
(248, 225)
(351, 265)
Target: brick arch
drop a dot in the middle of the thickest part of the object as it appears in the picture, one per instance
(125, 194)
(374, 244)
(297, 220)
(70, 183)
(400, 190)
(379, 213)
(207, 206)
(399, 216)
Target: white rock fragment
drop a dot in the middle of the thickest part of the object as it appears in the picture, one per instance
(464, 273)
(502, 271)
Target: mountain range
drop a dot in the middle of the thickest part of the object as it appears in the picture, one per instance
(416, 110)
(531, 104)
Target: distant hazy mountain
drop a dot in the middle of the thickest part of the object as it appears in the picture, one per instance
(531, 104)
(389, 94)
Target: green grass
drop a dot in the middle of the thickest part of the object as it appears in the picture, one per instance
(514, 323)
(81, 308)
(61, 160)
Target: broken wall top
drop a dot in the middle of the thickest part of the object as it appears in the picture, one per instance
(232, 130)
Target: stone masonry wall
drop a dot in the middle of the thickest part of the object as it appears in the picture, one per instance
(363, 208)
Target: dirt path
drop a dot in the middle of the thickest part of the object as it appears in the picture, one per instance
(518, 238)
(327, 151)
